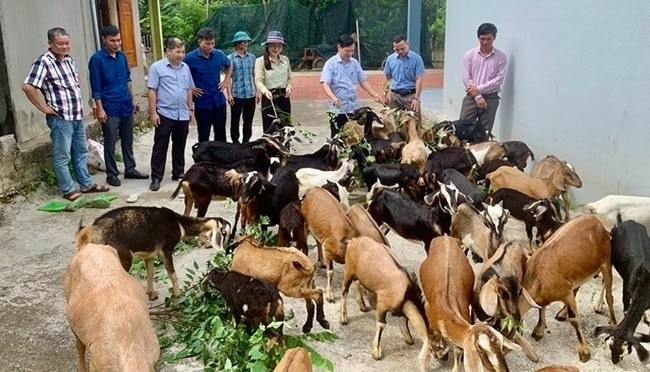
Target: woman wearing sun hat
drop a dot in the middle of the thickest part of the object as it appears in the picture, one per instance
(242, 97)
(273, 80)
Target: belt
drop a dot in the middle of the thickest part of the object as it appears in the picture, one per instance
(403, 92)
(278, 90)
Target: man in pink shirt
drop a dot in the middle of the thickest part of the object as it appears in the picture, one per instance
(484, 68)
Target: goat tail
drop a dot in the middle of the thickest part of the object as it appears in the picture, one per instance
(84, 236)
(415, 295)
(178, 189)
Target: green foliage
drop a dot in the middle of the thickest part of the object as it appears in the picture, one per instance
(437, 28)
(49, 178)
(139, 270)
(259, 232)
(202, 328)
(118, 157)
(508, 324)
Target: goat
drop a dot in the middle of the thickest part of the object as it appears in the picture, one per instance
(147, 232)
(326, 158)
(458, 158)
(272, 196)
(283, 132)
(447, 282)
(288, 269)
(517, 153)
(631, 258)
(487, 151)
(498, 288)
(491, 166)
(292, 227)
(107, 311)
(365, 225)
(229, 153)
(506, 177)
(573, 255)
(544, 169)
(470, 131)
(310, 177)
(398, 292)
(479, 231)
(408, 218)
(466, 190)
(415, 152)
(295, 360)
(636, 208)
(331, 229)
(405, 175)
(256, 300)
(540, 213)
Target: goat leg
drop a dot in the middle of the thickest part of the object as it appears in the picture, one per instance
(606, 270)
(153, 295)
(562, 315)
(538, 331)
(406, 332)
(583, 347)
(381, 324)
(526, 346)
(169, 265)
(343, 312)
(309, 304)
(412, 314)
(81, 350)
(359, 297)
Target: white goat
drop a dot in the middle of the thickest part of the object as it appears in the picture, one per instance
(635, 208)
(311, 177)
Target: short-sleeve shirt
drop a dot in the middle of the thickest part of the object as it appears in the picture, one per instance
(343, 79)
(171, 85)
(404, 71)
(58, 80)
(243, 67)
(109, 81)
(206, 72)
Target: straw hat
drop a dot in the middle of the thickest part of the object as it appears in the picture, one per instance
(274, 37)
(240, 36)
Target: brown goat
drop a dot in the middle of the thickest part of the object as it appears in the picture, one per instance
(447, 281)
(572, 256)
(365, 225)
(295, 360)
(415, 152)
(331, 229)
(513, 178)
(558, 368)
(288, 269)
(375, 266)
(107, 311)
(546, 167)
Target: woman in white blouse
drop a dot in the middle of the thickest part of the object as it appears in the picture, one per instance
(273, 80)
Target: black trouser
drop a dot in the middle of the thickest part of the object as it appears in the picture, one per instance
(206, 119)
(178, 130)
(122, 126)
(282, 108)
(337, 122)
(244, 107)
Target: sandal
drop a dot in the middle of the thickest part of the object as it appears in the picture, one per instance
(95, 188)
(72, 195)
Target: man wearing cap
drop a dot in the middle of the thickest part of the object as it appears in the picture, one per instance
(206, 64)
(273, 80)
(404, 70)
(242, 97)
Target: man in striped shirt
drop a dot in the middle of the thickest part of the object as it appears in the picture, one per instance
(55, 74)
(242, 97)
(484, 68)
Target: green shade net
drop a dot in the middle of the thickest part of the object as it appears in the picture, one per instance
(308, 27)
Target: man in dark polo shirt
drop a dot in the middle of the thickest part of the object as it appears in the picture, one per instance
(110, 81)
(206, 64)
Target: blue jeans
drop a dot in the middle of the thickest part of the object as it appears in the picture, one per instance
(69, 143)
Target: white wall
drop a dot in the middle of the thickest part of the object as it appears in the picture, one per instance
(577, 84)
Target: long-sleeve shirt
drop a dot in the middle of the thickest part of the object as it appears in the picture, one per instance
(206, 72)
(58, 80)
(171, 85)
(279, 76)
(109, 81)
(486, 72)
(343, 78)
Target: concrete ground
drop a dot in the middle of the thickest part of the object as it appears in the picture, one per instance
(36, 246)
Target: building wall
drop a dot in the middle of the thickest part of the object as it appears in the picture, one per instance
(24, 27)
(576, 86)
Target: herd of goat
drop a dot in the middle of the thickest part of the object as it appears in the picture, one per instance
(449, 187)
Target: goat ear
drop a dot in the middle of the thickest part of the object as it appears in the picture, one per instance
(641, 351)
(529, 298)
(558, 180)
(507, 345)
(489, 296)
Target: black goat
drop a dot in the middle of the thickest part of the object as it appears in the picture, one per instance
(517, 153)
(490, 166)
(458, 158)
(271, 196)
(256, 300)
(229, 153)
(292, 227)
(326, 158)
(408, 218)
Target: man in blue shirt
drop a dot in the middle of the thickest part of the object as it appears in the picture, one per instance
(170, 108)
(110, 81)
(406, 70)
(206, 64)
